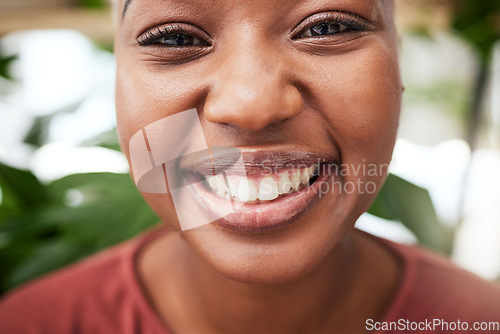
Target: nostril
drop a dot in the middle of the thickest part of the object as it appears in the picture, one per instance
(252, 105)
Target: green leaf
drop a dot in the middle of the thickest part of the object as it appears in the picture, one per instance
(39, 132)
(20, 188)
(52, 234)
(107, 139)
(403, 201)
(477, 22)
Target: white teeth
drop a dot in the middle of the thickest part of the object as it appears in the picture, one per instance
(233, 187)
(284, 184)
(295, 179)
(247, 191)
(304, 178)
(268, 189)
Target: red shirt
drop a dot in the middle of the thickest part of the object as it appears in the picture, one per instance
(103, 295)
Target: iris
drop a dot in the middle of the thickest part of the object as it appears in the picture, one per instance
(324, 29)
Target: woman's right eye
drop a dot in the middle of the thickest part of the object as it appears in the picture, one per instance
(180, 40)
(173, 36)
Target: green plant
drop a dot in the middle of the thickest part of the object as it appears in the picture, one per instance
(44, 227)
(476, 22)
(411, 205)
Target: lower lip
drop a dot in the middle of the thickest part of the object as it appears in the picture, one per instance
(257, 218)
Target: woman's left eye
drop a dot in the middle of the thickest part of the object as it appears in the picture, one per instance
(325, 29)
(329, 24)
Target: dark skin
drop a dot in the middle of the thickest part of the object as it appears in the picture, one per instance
(259, 80)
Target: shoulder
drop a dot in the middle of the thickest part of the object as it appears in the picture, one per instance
(432, 287)
(95, 288)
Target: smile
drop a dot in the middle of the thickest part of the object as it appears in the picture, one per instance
(262, 189)
(261, 194)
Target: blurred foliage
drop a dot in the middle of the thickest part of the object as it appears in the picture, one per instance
(107, 139)
(38, 134)
(93, 4)
(449, 96)
(44, 227)
(478, 23)
(403, 201)
(109, 47)
(5, 62)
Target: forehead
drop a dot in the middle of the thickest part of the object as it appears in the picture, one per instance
(284, 4)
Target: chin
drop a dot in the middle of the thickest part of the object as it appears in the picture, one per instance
(273, 257)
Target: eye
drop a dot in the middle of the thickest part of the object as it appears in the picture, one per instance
(330, 23)
(174, 35)
(325, 29)
(179, 40)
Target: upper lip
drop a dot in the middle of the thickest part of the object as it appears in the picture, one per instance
(241, 160)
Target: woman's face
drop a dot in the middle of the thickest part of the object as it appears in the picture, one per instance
(286, 80)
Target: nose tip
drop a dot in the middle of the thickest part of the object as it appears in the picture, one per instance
(253, 106)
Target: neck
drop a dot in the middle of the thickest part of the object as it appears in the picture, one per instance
(331, 298)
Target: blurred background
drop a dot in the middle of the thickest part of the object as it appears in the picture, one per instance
(64, 188)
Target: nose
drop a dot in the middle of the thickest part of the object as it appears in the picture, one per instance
(252, 90)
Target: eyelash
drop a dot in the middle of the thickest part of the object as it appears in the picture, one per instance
(350, 22)
(155, 34)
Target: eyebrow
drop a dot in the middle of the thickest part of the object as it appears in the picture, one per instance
(125, 7)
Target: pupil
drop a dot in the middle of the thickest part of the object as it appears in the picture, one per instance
(179, 40)
(325, 28)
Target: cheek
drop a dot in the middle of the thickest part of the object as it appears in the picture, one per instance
(143, 96)
(146, 93)
(361, 98)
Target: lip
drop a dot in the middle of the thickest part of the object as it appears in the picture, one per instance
(220, 158)
(258, 218)
(255, 218)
